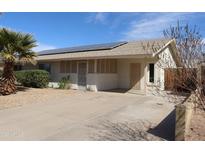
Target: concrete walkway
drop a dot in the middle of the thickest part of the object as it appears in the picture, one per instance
(69, 117)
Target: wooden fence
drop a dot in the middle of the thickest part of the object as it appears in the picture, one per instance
(180, 79)
(202, 77)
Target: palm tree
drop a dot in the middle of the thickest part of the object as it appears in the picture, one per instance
(14, 47)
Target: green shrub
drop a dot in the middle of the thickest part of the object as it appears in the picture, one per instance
(64, 82)
(33, 78)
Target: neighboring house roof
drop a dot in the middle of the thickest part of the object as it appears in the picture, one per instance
(141, 48)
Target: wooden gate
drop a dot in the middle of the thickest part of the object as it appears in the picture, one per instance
(169, 79)
(135, 75)
(180, 78)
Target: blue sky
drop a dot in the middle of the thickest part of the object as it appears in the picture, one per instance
(56, 30)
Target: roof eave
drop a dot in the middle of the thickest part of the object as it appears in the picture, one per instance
(44, 58)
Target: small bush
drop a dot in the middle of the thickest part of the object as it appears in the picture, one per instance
(33, 78)
(64, 83)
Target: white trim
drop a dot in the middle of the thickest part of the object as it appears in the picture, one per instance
(162, 49)
(173, 51)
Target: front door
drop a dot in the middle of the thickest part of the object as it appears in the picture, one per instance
(135, 75)
(82, 69)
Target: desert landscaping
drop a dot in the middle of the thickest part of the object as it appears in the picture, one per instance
(26, 96)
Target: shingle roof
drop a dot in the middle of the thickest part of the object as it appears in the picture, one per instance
(141, 47)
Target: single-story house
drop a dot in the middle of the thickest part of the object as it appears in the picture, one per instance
(135, 65)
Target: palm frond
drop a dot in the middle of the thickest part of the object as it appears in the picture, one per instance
(17, 45)
(7, 56)
(27, 57)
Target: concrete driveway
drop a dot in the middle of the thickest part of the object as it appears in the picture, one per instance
(70, 117)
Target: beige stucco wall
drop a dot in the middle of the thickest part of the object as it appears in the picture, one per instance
(124, 72)
(102, 81)
(164, 60)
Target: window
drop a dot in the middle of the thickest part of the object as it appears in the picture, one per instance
(113, 66)
(73, 66)
(151, 72)
(107, 66)
(68, 66)
(46, 67)
(91, 66)
(103, 66)
(98, 65)
(62, 67)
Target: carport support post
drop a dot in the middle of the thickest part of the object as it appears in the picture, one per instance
(180, 123)
(183, 117)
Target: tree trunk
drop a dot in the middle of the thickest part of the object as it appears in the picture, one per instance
(7, 82)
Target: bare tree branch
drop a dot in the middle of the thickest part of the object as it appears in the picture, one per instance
(190, 45)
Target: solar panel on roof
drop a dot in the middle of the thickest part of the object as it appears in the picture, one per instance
(94, 47)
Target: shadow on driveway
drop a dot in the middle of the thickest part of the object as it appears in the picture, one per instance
(118, 90)
(166, 128)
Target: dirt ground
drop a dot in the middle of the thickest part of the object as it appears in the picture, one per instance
(29, 96)
(197, 127)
